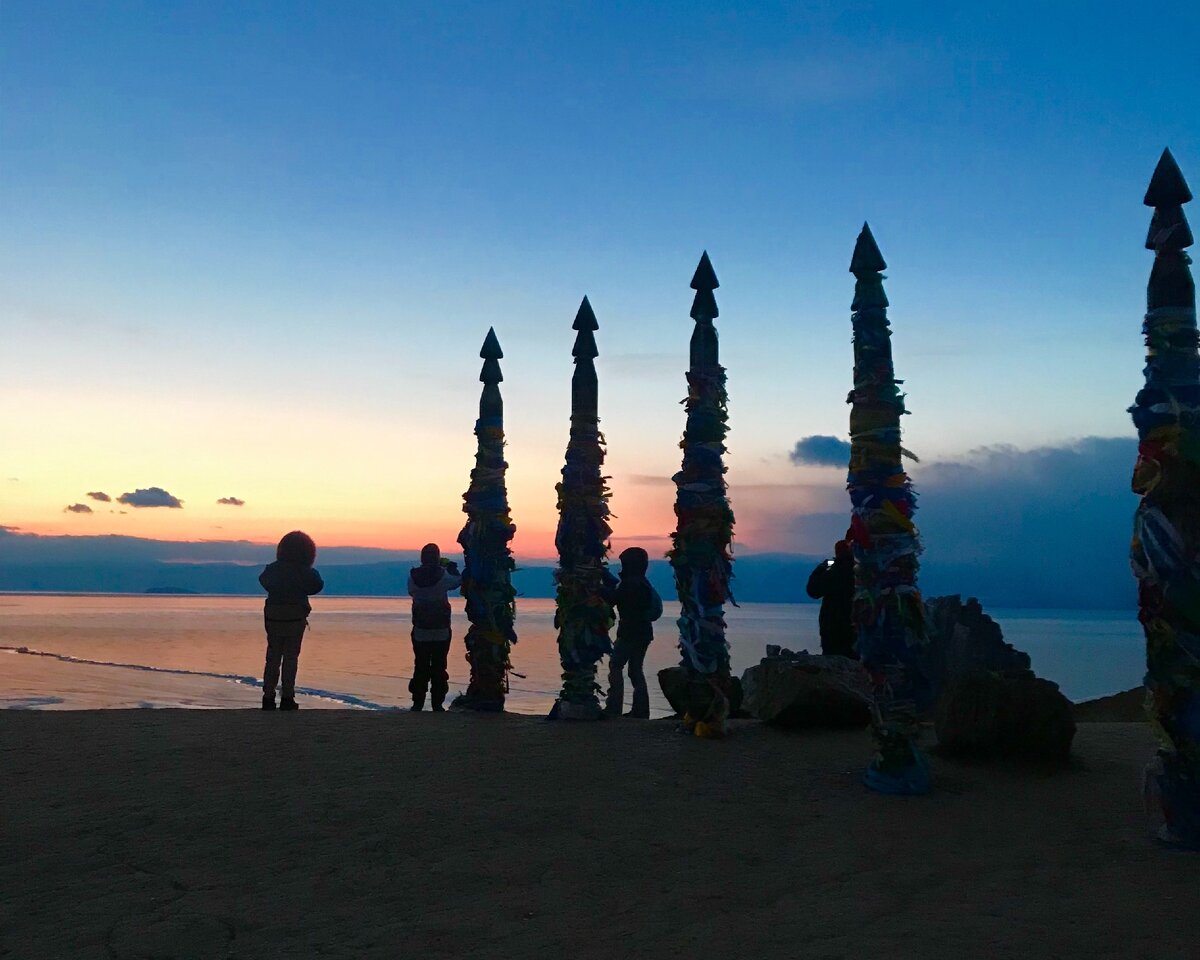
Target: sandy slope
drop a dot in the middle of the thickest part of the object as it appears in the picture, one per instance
(351, 834)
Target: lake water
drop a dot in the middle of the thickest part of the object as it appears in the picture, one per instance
(207, 652)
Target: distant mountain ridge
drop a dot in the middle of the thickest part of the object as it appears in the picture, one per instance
(117, 564)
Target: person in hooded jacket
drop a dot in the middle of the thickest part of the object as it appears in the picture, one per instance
(832, 582)
(429, 586)
(289, 582)
(638, 606)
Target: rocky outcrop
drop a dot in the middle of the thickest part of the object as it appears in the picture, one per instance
(985, 714)
(806, 690)
(963, 640)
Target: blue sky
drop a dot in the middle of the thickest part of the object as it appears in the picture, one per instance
(237, 234)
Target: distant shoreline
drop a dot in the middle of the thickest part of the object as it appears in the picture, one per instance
(996, 612)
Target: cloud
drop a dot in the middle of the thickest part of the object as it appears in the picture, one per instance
(821, 451)
(1043, 527)
(150, 497)
(77, 508)
(99, 495)
(232, 501)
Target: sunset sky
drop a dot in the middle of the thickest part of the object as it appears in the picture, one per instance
(250, 251)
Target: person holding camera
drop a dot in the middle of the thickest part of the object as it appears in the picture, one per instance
(429, 586)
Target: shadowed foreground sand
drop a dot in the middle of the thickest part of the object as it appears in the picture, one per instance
(350, 834)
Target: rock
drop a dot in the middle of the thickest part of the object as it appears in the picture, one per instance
(986, 714)
(674, 684)
(1129, 706)
(674, 681)
(963, 639)
(805, 690)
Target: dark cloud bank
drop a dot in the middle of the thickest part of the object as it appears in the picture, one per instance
(232, 502)
(77, 508)
(101, 496)
(1047, 527)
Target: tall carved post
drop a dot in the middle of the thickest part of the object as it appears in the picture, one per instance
(1166, 529)
(487, 560)
(584, 614)
(889, 616)
(702, 542)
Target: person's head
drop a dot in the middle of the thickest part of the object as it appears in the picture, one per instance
(297, 547)
(843, 550)
(635, 560)
(431, 555)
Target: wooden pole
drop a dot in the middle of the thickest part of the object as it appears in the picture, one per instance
(1166, 530)
(487, 559)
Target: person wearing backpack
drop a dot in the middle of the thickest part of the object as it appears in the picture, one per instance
(638, 606)
(429, 585)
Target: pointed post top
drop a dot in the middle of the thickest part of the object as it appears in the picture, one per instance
(585, 319)
(705, 278)
(866, 259)
(491, 346)
(1167, 186)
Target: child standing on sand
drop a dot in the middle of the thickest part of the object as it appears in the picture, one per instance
(638, 605)
(289, 582)
(429, 585)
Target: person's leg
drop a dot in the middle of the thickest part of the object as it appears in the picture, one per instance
(291, 662)
(616, 680)
(271, 669)
(637, 678)
(438, 675)
(420, 678)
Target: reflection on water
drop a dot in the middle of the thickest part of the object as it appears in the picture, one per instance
(357, 650)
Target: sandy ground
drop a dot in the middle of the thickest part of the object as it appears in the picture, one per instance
(226, 834)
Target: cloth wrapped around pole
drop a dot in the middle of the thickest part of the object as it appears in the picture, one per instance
(701, 546)
(1165, 552)
(583, 615)
(889, 616)
(487, 560)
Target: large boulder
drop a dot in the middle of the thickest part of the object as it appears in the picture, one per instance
(987, 714)
(674, 684)
(806, 690)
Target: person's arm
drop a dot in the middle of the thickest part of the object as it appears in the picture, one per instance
(315, 583)
(453, 579)
(269, 578)
(411, 584)
(610, 589)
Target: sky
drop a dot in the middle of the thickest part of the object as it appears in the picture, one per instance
(250, 252)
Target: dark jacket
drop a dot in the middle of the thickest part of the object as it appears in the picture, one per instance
(288, 582)
(289, 585)
(638, 605)
(833, 584)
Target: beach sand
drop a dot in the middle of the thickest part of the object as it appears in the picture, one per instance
(240, 834)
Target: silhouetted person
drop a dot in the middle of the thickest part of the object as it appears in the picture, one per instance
(833, 584)
(638, 606)
(289, 582)
(429, 585)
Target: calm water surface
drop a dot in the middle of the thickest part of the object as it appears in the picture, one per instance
(205, 652)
